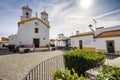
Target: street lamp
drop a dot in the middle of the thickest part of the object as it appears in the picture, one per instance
(91, 28)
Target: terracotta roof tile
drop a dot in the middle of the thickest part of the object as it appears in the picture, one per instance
(82, 34)
(115, 33)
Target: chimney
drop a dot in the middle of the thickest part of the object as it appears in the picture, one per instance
(77, 32)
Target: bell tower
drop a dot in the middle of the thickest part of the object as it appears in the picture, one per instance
(26, 13)
(44, 17)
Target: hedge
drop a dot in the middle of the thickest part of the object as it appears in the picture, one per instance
(82, 60)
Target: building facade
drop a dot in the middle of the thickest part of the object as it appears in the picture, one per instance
(61, 42)
(108, 40)
(83, 41)
(4, 42)
(105, 40)
(31, 30)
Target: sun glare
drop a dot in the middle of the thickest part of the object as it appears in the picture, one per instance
(86, 3)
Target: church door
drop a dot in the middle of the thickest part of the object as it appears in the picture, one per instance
(36, 43)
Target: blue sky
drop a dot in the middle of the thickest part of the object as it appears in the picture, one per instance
(65, 16)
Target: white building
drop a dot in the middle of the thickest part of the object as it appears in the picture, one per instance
(107, 40)
(3, 42)
(31, 30)
(83, 40)
(61, 40)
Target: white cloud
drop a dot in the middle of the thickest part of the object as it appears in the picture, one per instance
(67, 21)
(108, 13)
(75, 18)
(65, 16)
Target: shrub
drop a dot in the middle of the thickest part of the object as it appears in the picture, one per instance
(65, 75)
(82, 60)
(109, 73)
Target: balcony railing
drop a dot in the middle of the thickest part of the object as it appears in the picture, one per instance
(44, 70)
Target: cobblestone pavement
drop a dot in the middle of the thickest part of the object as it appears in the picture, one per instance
(4, 52)
(15, 66)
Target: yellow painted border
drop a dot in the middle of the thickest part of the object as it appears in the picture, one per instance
(43, 47)
(101, 50)
(117, 52)
(93, 49)
(24, 21)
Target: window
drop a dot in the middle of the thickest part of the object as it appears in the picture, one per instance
(36, 23)
(43, 38)
(36, 30)
(27, 14)
(44, 19)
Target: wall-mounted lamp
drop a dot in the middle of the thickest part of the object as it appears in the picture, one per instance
(91, 28)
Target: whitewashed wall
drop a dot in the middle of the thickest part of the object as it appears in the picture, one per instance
(13, 39)
(101, 43)
(88, 41)
(26, 33)
(61, 43)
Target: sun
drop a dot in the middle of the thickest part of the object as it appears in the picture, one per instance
(86, 3)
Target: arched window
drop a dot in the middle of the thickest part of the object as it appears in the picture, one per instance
(27, 15)
(44, 19)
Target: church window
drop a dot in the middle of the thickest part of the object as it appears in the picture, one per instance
(36, 30)
(27, 14)
(36, 23)
(44, 19)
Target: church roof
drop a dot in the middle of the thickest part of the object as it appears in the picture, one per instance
(44, 12)
(24, 21)
(27, 8)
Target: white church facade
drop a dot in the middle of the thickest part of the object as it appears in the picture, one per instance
(31, 30)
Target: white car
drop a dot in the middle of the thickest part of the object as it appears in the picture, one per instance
(26, 48)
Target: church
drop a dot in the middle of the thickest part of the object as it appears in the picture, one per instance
(31, 30)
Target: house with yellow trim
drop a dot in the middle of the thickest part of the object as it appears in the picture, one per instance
(31, 30)
(83, 41)
(105, 40)
(4, 42)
